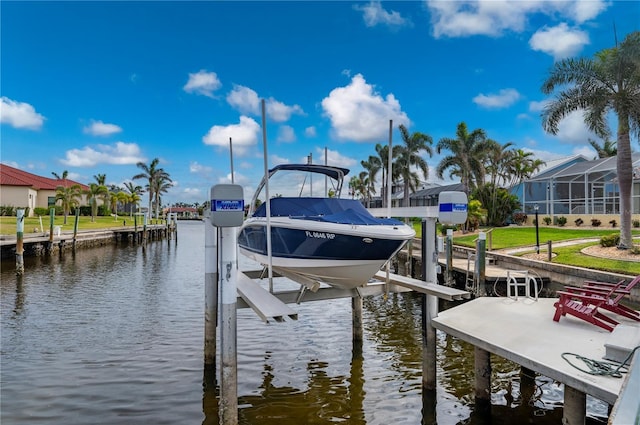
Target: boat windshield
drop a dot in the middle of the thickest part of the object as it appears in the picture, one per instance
(291, 182)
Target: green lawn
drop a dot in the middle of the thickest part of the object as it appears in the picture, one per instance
(514, 236)
(8, 224)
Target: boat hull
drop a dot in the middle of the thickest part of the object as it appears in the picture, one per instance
(341, 255)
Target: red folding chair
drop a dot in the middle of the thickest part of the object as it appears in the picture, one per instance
(585, 305)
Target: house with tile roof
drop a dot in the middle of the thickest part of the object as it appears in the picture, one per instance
(21, 189)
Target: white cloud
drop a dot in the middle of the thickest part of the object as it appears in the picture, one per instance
(277, 160)
(202, 82)
(199, 169)
(120, 153)
(374, 14)
(19, 114)
(494, 17)
(504, 98)
(244, 135)
(310, 131)
(191, 193)
(586, 151)
(99, 128)
(538, 106)
(247, 101)
(560, 41)
(286, 134)
(572, 129)
(360, 114)
(240, 179)
(334, 158)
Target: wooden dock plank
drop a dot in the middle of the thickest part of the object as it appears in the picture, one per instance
(440, 291)
(265, 304)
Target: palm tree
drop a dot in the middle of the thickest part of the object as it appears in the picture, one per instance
(610, 82)
(101, 179)
(95, 190)
(161, 185)
(468, 151)
(133, 197)
(62, 177)
(383, 154)
(607, 149)
(69, 197)
(151, 173)
(410, 157)
(371, 167)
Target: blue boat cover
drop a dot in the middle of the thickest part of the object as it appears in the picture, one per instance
(331, 210)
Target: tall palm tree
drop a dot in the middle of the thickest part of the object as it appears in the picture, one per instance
(414, 145)
(610, 82)
(383, 154)
(69, 197)
(161, 185)
(101, 179)
(468, 151)
(371, 167)
(62, 177)
(607, 149)
(151, 173)
(93, 193)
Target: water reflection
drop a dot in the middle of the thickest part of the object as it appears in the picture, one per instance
(115, 335)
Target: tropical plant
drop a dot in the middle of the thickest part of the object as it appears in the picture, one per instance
(62, 177)
(409, 157)
(607, 149)
(610, 82)
(69, 197)
(468, 151)
(371, 167)
(503, 203)
(133, 197)
(151, 173)
(93, 193)
(161, 185)
(383, 154)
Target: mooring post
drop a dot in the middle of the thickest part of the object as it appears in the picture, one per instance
(549, 251)
(75, 228)
(482, 360)
(52, 215)
(430, 304)
(449, 271)
(227, 214)
(210, 292)
(481, 249)
(356, 318)
(19, 242)
(228, 329)
(135, 227)
(575, 407)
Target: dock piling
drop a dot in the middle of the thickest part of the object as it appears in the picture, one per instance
(356, 316)
(575, 407)
(228, 329)
(19, 242)
(449, 256)
(430, 304)
(210, 292)
(481, 265)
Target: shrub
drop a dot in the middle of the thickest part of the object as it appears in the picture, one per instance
(635, 223)
(613, 223)
(547, 220)
(519, 218)
(41, 211)
(578, 221)
(595, 222)
(609, 240)
(7, 210)
(562, 220)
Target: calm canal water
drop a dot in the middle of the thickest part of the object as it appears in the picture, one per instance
(114, 335)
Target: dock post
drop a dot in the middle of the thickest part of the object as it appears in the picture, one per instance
(481, 248)
(549, 250)
(356, 319)
(228, 329)
(575, 407)
(75, 228)
(482, 361)
(430, 304)
(52, 215)
(449, 272)
(210, 293)
(19, 242)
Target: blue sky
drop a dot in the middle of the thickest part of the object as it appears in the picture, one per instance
(95, 87)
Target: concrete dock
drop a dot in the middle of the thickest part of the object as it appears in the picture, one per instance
(524, 332)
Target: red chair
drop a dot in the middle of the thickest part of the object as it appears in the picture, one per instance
(613, 294)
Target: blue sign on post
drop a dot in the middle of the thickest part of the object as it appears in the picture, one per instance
(227, 205)
(452, 207)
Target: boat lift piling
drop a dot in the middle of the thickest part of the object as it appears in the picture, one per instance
(227, 214)
(210, 292)
(19, 242)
